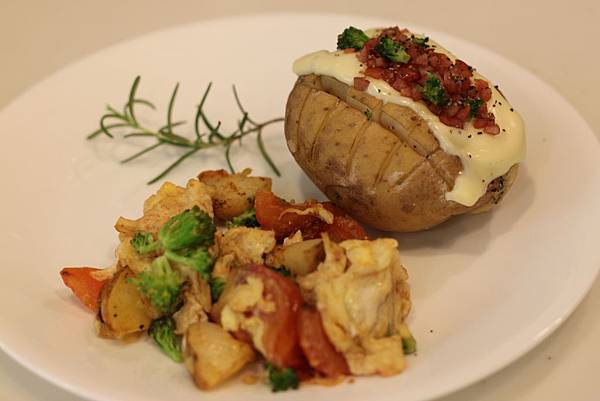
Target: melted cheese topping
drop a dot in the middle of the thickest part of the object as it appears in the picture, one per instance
(484, 157)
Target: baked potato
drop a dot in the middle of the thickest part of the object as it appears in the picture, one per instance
(389, 156)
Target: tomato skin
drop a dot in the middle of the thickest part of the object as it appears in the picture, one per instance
(85, 287)
(270, 213)
(280, 338)
(320, 353)
(343, 227)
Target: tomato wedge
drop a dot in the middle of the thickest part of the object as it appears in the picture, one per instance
(280, 338)
(320, 353)
(271, 214)
(83, 284)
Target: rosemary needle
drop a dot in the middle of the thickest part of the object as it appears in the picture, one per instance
(126, 121)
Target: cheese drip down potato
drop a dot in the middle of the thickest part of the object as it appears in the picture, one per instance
(386, 158)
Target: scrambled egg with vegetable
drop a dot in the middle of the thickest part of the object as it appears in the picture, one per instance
(202, 275)
(361, 291)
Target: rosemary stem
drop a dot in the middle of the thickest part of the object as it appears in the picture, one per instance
(128, 121)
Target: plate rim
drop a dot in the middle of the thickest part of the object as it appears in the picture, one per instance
(567, 308)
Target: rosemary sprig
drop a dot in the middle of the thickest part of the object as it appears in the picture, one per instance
(127, 121)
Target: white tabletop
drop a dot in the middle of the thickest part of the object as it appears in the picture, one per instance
(556, 42)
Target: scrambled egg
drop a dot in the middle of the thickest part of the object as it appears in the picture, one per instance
(361, 291)
(243, 299)
(248, 245)
(191, 312)
(169, 201)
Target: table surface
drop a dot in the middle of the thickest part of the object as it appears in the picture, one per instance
(551, 40)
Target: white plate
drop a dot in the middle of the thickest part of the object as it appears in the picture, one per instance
(486, 288)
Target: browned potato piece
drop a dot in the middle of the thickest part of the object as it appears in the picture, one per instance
(303, 257)
(123, 310)
(212, 355)
(387, 171)
(233, 193)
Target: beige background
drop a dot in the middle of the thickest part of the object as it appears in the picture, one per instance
(558, 42)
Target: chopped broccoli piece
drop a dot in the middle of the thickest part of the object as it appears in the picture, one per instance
(474, 105)
(144, 243)
(392, 50)
(368, 114)
(409, 344)
(217, 284)
(282, 379)
(160, 284)
(351, 38)
(198, 259)
(191, 228)
(433, 90)
(420, 41)
(246, 219)
(162, 332)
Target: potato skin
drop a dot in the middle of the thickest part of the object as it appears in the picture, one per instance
(387, 171)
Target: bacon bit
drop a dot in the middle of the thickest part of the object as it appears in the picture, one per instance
(485, 94)
(480, 84)
(463, 114)
(451, 121)
(451, 110)
(374, 72)
(361, 83)
(409, 78)
(492, 129)
(479, 122)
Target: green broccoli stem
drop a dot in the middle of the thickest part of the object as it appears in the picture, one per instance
(162, 331)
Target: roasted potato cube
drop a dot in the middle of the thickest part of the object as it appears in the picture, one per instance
(212, 355)
(123, 310)
(233, 194)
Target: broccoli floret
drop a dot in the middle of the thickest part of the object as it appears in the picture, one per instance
(474, 105)
(392, 50)
(433, 90)
(282, 379)
(246, 219)
(191, 228)
(351, 38)
(162, 332)
(144, 243)
(198, 259)
(217, 284)
(160, 284)
(420, 41)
